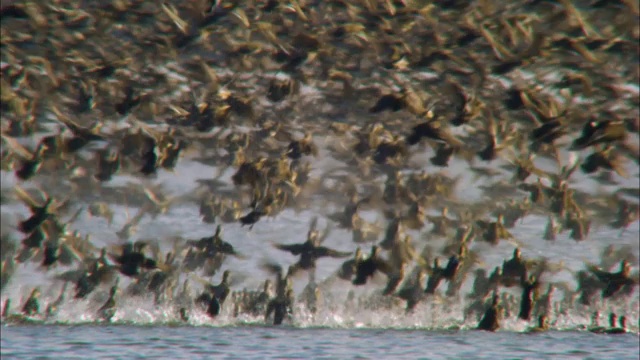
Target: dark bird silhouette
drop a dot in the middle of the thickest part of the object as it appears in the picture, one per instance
(600, 132)
(588, 286)
(390, 102)
(38, 215)
(435, 277)
(280, 89)
(310, 250)
(171, 154)
(432, 130)
(443, 155)
(129, 102)
(81, 135)
(614, 282)
(491, 319)
(412, 291)
(108, 310)
(543, 324)
(604, 159)
(387, 150)
(149, 158)
(527, 299)
(252, 218)
(349, 267)
(612, 325)
(132, 259)
(514, 270)
(108, 165)
(32, 305)
(97, 271)
(50, 253)
(281, 307)
(213, 245)
(366, 268)
(215, 295)
(546, 133)
(33, 240)
(31, 161)
(298, 148)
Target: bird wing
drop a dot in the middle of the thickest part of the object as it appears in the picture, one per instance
(325, 251)
(156, 198)
(600, 274)
(271, 267)
(27, 199)
(209, 286)
(482, 224)
(71, 275)
(325, 233)
(228, 248)
(384, 266)
(295, 249)
(17, 148)
(314, 224)
(154, 134)
(237, 278)
(114, 258)
(75, 129)
(68, 254)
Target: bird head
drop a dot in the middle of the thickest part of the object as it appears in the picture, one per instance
(625, 268)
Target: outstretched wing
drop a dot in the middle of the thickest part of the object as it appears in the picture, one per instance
(314, 224)
(600, 274)
(271, 267)
(207, 285)
(325, 251)
(325, 233)
(27, 199)
(75, 128)
(227, 248)
(295, 249)
(17, 148)
(68, 254)
(384, 266)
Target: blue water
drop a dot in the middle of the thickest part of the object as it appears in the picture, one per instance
(257, 342)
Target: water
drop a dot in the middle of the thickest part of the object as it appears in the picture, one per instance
(258, 342)
(339, 329)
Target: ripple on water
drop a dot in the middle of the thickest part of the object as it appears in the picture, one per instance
(248, 342)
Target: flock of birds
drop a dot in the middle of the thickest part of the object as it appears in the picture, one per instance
(94, 91)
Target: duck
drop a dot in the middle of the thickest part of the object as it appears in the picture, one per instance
(32, 305)
(543, 325)
(614, 282)
(527, 298)
(366, 268)
(132, 259)
(514, 270)
(411, 290)
(613, 330)
(491, 319)
(214, 296)
(108, 309)
(599, 132)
